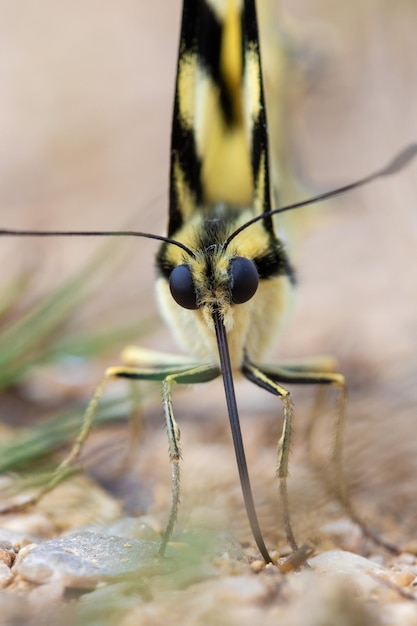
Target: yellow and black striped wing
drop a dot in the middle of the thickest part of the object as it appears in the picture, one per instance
(219, 149)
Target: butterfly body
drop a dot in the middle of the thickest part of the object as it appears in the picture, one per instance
(219, 181)
(225, 279)
(250, 325)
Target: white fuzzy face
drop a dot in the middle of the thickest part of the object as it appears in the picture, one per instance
(250, 326)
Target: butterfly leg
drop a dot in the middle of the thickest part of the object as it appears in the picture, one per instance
(137, 356)
(316, 373)
(260, 378)
(152, 374)
(169, 378)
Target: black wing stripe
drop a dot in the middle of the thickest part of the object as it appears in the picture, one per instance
(204, 31)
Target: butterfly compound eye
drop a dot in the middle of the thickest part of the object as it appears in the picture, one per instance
(244, 279)
(182, 287)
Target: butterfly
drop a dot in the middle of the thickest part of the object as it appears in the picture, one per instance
(225, 277)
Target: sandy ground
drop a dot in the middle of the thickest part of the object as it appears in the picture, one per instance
(85, 105)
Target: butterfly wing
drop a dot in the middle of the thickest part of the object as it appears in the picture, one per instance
(219, 149)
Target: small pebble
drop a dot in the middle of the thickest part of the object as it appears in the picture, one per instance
(83, 559)
(345, 563)
(367, 575)
(257, 566)
(7, 557)
(6, 575)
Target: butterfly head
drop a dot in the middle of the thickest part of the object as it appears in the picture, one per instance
(217, 277)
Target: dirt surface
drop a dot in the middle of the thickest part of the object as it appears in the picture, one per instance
(85, 122)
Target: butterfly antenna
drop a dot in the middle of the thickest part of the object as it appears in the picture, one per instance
(400, 161)
(93, 233)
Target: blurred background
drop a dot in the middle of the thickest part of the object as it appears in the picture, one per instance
(86, 92)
